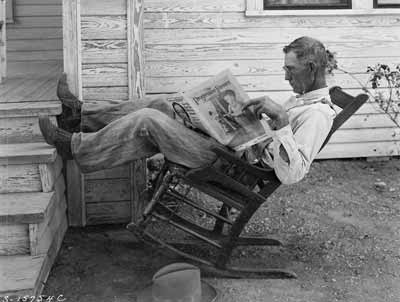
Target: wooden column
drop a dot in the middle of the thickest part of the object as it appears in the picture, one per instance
(3, 59)
(73, 69)
(138, 168)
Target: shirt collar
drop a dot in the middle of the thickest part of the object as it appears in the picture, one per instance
(314, 94)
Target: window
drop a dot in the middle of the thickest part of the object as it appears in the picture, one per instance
(386, 3)
(306, 4)
(258, 8)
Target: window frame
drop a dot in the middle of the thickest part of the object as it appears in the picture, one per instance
(348, 5)
(255, 8)
(383, 6)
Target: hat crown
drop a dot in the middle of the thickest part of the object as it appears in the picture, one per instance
(178, 282)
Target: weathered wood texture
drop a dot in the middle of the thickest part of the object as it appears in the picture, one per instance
(188, 41)
(36, 34)
(3, 42)
(112, 69)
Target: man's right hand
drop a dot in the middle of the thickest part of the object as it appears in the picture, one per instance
(273, 110)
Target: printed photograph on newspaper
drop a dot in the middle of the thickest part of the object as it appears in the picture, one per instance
(215, 107)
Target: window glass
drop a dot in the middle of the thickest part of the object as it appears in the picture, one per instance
(306, 4)
(386, 3)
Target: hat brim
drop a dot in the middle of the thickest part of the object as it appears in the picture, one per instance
(208, 293)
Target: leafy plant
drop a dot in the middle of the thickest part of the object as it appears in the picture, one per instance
(380, 76)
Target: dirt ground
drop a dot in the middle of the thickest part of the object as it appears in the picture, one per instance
(341, 232)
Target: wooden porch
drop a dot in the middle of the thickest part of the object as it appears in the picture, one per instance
(30, 82)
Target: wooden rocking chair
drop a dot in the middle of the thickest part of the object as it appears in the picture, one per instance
(233, 191)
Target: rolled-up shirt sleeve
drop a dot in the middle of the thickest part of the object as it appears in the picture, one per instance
(301, 145)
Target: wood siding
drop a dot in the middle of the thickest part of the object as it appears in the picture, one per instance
(188, 41)
(36, 34)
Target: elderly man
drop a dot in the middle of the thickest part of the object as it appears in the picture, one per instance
(122, 133)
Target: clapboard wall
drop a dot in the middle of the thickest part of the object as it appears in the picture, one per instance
(187, 41)
(35, 37)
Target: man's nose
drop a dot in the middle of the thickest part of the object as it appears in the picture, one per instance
(287, 75)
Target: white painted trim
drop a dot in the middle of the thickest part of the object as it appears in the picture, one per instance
(323, 12)
(254, 8)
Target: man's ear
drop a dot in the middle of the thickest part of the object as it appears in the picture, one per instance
(312, 66)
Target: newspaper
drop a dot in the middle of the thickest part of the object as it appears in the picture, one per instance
(215, 107)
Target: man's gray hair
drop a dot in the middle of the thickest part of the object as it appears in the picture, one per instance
(308, 49)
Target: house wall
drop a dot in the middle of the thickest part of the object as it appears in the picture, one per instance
(187, 41)
(35, 37)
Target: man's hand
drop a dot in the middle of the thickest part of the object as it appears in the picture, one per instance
(273, 110)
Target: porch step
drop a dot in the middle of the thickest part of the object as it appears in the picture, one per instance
(26, 207)
(31, 167)
(26, 275)
(19, 121)
(29, 221)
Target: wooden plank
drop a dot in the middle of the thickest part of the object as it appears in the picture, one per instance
(34, 45)
(249, 83)
(194, 6)
(239, 20)
(104, 51)
(258, 35)
(73, 69)
(26, 207)
(37, 10)
(19, 178)
(49, 173)
(34, 33)
(118, 172)
(365, 149)
(39, 2)
(27, 109)
(72, 45)
(242, 51)
(14, 240)
(103, 7)
(19, 274)
(241, 67)
(29, 89)
(37, 21)
(36, 230)
(50, 258)
(139, 194)
(40, 55)
(108, 212)
(106, 93)
(103, 190)
(30, 69)
(75, 189)
(135, 49)
(100, 75)
(58, 219)
(104, 27)
(365, 135)
(27, 153)
(14, 130)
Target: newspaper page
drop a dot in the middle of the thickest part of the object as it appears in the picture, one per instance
(215, 107)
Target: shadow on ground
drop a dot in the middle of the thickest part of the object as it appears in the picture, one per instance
(341, 233)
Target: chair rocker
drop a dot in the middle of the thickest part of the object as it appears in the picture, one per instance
(235, 193)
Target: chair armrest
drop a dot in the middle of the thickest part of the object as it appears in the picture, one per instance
(263, 173)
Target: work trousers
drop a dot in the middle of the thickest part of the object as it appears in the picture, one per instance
(119, 133)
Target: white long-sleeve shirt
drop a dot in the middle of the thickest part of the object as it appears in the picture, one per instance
(310, 120)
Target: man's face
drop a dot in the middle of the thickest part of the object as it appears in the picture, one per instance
(298, 74)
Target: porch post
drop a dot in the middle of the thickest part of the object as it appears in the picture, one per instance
(138, 170)
(73, 69)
